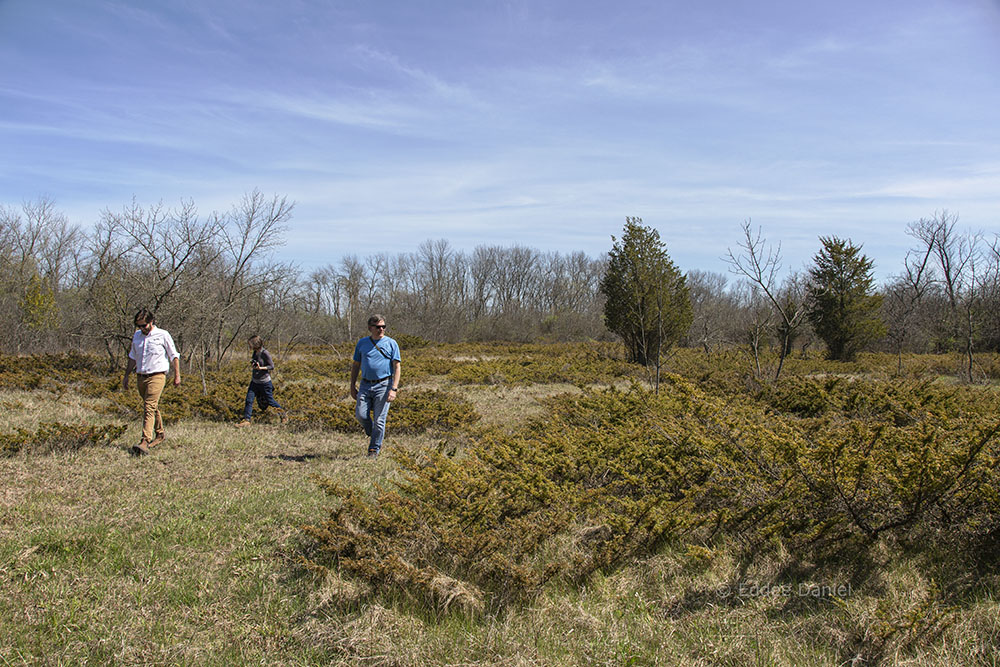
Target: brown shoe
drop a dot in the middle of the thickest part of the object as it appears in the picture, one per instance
(141, 449)
(160, 437)
(243, 423)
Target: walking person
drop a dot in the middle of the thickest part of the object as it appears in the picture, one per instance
(152, 355)
(261, 386)
(376, 360)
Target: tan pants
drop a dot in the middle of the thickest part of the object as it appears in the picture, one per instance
(150, 387)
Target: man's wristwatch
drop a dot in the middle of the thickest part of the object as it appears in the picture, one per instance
(394, 389)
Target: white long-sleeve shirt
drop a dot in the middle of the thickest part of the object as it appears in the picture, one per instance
(152, 353)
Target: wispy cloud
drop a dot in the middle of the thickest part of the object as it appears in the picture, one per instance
(979, 182)
(413, 74)
(541, 123)
(353, 113)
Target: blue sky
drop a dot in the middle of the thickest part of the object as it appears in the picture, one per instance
(543, 123)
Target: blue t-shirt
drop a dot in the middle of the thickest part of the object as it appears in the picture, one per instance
(376, 363)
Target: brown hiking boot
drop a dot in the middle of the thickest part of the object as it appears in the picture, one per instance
(141, 449)
(160, 437)
(242, 423)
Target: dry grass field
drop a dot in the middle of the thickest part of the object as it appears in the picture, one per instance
(196, 555)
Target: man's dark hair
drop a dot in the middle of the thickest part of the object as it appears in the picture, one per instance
(146, 314)
(375, 319)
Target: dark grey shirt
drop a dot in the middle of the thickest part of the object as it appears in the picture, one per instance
(263, 359)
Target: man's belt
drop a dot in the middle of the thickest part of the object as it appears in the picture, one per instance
(376, 381)
(146, 375)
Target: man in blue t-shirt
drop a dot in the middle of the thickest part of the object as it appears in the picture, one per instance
(376, 360)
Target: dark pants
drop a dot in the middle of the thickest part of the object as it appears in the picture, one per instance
(264, 392)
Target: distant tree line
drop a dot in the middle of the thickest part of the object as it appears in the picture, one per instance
(213, 280)
(439, 293)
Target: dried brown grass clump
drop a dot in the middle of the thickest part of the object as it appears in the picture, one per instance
(376, 636)
(336, 591)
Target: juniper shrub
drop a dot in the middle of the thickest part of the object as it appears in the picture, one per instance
(608, 475)
(53, 437)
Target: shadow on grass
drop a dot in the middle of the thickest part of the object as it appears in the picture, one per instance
(304, 458)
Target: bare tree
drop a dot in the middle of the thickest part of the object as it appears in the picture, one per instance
(482, 275)
(760, 264)
(352, 280)
(990, 293)
(250, 231)
(957, 257)
(47, 238)
(754, 321)
(164, 244)
(904, 295)
(568, 303)
(380, 283)
(39, 258)
(713, 308)
(436, 290)
(146, 257)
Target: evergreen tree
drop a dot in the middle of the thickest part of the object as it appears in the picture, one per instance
(647, 296)
(843, 305)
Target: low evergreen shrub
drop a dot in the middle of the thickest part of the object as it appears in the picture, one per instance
(606, 476)
(54, 437)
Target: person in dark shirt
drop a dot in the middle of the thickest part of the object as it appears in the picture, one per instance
(261, 386)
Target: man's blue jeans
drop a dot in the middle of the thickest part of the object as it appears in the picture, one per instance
(371, 410)
(264, 393)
